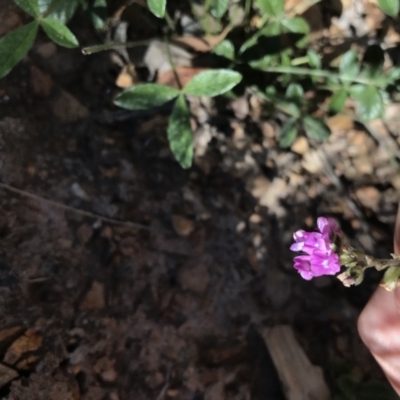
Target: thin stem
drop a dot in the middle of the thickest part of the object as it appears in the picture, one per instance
(319, 74)
(72, 209)
(113, 45)
(171, 61)
(169, 21)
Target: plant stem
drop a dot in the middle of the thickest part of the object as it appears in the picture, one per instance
(171, 61)
(319, 74)
(169, 21)
(114, 45)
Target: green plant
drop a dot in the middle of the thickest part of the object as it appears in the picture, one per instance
(390, 7)
(51, 16)
(208, 83)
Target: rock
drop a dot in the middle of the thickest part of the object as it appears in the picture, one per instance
(104, 367)
(95, 297)
(68, 109)
(7, 336)
(239, 135)
(27, 363)
(300, 146)
(84, 233)
(369, 197)
(9, 20)
(183, 226)
(195, 279)
(30, 341)
(42, 83)
(255, 218)
(7, 374)
(47, 50)
(240, 107)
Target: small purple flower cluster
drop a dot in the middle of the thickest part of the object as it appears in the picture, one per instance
(320, 258)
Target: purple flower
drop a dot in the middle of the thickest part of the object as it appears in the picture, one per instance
(320, 259)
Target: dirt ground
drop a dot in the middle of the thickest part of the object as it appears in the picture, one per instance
(123, 276)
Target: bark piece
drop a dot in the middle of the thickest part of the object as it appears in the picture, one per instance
(30, 341)
(301, 380)
(6, 375)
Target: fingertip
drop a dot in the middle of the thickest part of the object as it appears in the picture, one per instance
(397, 232)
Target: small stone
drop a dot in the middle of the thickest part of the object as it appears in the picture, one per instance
(195, 279)
(255, 218)
(6, 375)
(369, 197)
(42, 83)
(47, 50)
(105, 368)
(363, 166)
(7, 336)
(183, 226)
(30, 341)
(68, 109)
(95, 298)
(84, 233)
(239, 135)
(27, 363)
(259, 186)
(240, 107)
(64, 243)
(300, 146)
(9, 20)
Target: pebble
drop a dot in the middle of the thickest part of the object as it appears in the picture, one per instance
(300, 146)
(369, 197)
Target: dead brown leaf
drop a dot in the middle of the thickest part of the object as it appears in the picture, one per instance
(202, 44)
(127, 77)
(185, 74)
(30, 341)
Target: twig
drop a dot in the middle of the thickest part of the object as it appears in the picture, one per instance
(114, 45)
(171, 61)
(73, 209)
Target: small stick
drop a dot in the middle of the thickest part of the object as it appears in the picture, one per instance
(73, 209)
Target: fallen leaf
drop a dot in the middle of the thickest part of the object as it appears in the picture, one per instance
(127, 77)
(185, 74)
(202, 44)
(30, 341)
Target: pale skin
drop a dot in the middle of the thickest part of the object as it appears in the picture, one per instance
(379, 325)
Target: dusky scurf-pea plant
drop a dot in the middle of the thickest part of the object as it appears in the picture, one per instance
(273, 45)
(327, 252)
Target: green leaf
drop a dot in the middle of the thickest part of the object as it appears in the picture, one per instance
(61, 10)
(145, 96)
(288, 133)
(29, 6)
(287, 107)
(296, 25)
(225, 49)
(314, 59)
(180, 134)
(271, 8)
(294, 91)
(59, 33)
(272, 29)
(157, 7)
(219, 7)
(389, 7)
(212, 82)
(15, 45)
(349, 65)
(369, 102)
(337, 101)
(316, 128)
(97, 11)
(393, 75)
